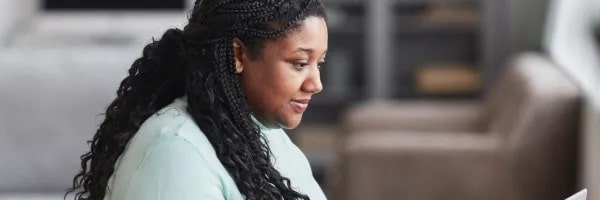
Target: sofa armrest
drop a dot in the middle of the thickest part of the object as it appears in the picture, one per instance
(415, 116)
(388, 165)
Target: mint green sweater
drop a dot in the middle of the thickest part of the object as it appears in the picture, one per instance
(171, 159)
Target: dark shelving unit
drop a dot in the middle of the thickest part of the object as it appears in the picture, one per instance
(375, 47)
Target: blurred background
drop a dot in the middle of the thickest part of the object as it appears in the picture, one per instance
(423, 99)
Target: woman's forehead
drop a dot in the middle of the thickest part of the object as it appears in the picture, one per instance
(309, 37)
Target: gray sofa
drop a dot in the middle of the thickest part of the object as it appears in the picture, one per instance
(50, 105)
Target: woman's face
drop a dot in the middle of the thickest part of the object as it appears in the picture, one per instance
(278, 84)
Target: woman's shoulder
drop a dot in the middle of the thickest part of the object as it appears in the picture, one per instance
(175, 125)
(168, 119)
(170, 128)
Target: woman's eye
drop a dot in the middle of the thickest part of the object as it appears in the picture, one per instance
(301, 65)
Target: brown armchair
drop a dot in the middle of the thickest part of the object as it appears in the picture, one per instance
(520, 143)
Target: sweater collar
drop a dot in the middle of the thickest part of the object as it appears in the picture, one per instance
(263, 127)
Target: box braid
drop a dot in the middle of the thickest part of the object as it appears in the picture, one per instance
(198, 62)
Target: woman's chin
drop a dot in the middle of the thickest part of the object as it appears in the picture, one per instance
(291, 122)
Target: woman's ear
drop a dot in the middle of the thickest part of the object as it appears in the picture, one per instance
(239, 54)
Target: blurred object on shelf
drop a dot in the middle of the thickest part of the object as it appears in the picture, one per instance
(454, 15)
(447, 78)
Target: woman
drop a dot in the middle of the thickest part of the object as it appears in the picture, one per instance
(200, 115)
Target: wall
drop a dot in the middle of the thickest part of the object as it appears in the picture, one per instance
(570, 42)
(527, 20)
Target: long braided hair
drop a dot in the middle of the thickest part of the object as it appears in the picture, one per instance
(198, 62)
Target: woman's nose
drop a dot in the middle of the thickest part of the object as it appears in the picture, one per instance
(313, 83)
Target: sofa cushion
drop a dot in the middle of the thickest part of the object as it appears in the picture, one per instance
(51, 101)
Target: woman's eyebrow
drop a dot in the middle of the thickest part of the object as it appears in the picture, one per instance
(308, 50)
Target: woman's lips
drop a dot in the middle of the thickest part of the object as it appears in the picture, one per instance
(300, 105)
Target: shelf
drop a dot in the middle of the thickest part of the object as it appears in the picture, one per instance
(418, 19)
(410, 30)
(341, 99)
